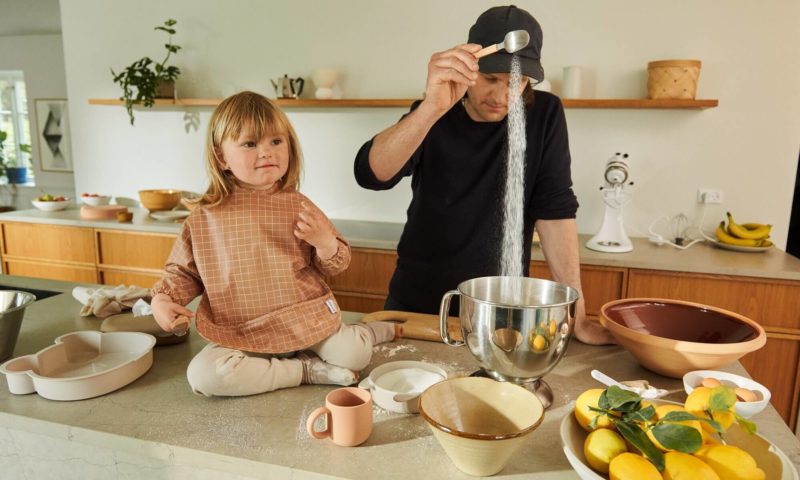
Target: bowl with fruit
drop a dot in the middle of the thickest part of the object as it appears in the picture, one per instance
(614, 433)
(747, 237)
(50, 203)
(751, 396)
(95, 199)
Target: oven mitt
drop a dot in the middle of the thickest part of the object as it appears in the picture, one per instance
(104, 301)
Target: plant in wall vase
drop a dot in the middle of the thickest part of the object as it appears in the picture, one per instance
(15, 170)
(144, 80)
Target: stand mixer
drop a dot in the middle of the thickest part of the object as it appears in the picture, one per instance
(611, 237)
(517, 328)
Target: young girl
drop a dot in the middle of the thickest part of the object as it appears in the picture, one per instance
(257, 250)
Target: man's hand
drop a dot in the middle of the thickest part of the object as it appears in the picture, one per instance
(589, 331)
(450, 73)
(315, 228)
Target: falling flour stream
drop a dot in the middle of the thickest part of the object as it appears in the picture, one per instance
(513, 201)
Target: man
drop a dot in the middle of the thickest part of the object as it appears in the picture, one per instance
(453, 143)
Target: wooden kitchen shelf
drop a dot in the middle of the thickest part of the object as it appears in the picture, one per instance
(629, 103)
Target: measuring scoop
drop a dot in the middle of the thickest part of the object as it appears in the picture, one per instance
(513, 42)
(640, 387)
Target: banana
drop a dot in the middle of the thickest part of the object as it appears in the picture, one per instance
(749, 231)
(724, 237)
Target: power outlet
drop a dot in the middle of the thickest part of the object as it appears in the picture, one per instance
(705, 195)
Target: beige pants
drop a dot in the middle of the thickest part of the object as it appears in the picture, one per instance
(221, 371)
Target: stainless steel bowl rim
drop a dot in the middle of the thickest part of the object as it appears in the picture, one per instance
(521, 306)
(28, 299)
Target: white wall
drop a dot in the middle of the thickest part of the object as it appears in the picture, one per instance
(747, 147)
(41, 59)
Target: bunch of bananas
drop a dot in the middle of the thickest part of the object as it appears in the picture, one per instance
(743, 234)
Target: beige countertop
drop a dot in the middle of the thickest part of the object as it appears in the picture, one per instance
(700, 258)
(156, 428)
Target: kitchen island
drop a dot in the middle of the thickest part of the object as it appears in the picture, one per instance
(157, 428)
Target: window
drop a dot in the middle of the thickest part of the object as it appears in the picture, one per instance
(14, 120)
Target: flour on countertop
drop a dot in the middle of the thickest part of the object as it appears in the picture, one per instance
(392, 350)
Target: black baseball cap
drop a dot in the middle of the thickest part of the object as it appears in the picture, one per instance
(492, 27)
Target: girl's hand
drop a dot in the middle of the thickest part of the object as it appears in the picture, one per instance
(314, 227)
(170, 316)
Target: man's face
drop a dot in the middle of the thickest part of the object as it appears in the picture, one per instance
(487, 100)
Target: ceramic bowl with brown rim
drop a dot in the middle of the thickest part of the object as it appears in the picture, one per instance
(480, 422)
(673, 337)
(159, 200)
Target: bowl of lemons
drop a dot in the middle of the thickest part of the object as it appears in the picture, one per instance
(612, 433)
(50, 203)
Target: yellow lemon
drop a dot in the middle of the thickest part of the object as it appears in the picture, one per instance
(682, 466)
(584, 415)
(697, 403)
(601, 446)
(629, 466)
(661, 412)
(730, 463)
(539, 343)
(552, 329)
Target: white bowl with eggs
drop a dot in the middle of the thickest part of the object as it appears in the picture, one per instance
(51, 205)
(751, 396)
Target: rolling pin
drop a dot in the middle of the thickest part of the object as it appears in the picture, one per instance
(419, 326)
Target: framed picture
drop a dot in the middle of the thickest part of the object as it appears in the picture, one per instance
(52, 133)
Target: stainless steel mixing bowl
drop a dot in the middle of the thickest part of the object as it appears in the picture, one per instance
(12, 309)
(517, 328)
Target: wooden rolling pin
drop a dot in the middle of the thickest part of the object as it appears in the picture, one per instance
(419, 326)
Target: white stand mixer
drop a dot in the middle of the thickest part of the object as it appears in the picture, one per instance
(611, 237)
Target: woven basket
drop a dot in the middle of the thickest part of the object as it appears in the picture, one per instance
(672, 78)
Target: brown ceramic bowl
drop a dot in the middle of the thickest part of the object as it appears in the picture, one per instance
(159, 200)
(673, 337)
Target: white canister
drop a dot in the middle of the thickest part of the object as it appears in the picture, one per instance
(573, 85)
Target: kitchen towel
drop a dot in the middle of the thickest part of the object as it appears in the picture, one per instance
(104, 301)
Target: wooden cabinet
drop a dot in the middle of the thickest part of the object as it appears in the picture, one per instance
(83, 254)
(774, 304)
(131, 258)
(600, 284)
(364, 285)
(48, 251)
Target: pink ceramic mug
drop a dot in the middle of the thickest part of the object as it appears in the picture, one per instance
(348, 417)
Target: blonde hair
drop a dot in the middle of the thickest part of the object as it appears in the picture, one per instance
(255, 114)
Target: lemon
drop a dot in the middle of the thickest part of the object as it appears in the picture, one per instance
(629, 466)
(730, 463)
(697, 403)
(682, 466)
(601, 446)
(584, 415)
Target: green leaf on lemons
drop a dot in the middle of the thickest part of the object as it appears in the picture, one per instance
(638, 438)
(615, 398)
(721, 398)
(675, 436)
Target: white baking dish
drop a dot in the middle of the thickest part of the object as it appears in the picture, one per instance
(81, 365)
(396, 386)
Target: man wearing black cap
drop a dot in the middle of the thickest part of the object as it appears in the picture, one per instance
(453, 143)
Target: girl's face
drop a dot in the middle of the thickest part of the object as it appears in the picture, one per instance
(256, 163)
(487, 100)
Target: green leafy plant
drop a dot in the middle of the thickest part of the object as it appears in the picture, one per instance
(140, 81)
(624, 409)
(3, 136)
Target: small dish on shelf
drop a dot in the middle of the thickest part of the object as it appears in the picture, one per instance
(95, 200)
(170, 215)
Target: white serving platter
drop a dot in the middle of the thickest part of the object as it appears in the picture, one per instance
(81, 365)
(170, 215)
(573, 438)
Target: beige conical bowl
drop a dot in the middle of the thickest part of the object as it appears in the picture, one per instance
(480, 422)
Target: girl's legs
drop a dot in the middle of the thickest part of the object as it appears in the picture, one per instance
(220, 371)
(351, 346)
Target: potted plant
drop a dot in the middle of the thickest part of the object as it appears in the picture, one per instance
(143, 81)
(3, 136)
(18, 172)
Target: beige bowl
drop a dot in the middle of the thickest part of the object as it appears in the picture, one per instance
(480, 422)
(673, 337)
(159, 200)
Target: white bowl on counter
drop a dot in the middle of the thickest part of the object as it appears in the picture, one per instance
(694, 378)
(51, 206)
(396, 386)
(96, 201)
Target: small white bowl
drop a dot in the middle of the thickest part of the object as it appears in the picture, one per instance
(96, 201)
(396, 386)
(693, 379)
(50, 206)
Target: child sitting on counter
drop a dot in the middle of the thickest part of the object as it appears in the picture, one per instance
(258, 250)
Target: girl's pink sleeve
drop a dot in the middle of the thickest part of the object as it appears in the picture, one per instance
(181, 280)
(337, 263)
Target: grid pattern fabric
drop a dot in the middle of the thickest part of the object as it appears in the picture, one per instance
(262, 289)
